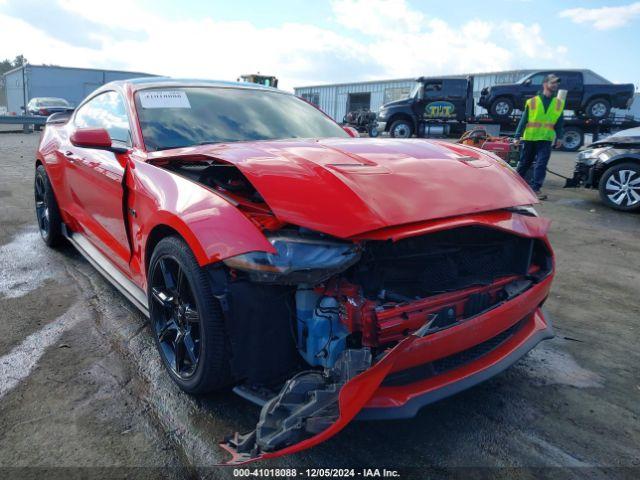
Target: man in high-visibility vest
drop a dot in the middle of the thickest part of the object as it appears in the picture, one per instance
(542, 123)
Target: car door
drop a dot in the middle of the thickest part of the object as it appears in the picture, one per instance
(572, 83)
(94, 178)
(455, 93)
(530, 88)
(432, 99)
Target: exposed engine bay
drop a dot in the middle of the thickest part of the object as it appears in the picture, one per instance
(322, 310)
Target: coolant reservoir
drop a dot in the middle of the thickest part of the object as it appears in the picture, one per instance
(321, 335)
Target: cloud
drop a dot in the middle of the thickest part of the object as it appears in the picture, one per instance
(62, 24)
(373, 39)
(604, 18)
(378, 17)
(530, 41)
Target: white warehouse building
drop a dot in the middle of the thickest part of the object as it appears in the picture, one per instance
(338, 99)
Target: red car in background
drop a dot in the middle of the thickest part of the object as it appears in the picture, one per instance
(320, 276)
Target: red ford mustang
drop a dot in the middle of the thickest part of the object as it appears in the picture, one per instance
(320, 276)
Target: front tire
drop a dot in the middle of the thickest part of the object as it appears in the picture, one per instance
(401, 129)
(620, 187)
(187, 320)
(47, 211)
(502, 107)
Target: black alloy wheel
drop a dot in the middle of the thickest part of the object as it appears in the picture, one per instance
(176, 321)
(42, 209)
(186, 319)
(47, 212)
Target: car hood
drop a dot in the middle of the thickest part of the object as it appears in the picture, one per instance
(625, 142)
(398, 103)
(345, 187)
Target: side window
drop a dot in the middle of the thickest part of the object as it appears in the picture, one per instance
(433, 90)
(106, 111)
(454, 88)
(537, 78)
(570, 80)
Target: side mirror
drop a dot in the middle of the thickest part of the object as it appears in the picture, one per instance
(97, 138)
(351, 131)
(527, 82)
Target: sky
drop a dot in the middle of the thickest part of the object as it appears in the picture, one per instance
(309, 42)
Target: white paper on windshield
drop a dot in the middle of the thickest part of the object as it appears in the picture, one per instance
(164, 99)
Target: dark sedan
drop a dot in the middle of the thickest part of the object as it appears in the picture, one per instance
(612, 166)
(45, 106)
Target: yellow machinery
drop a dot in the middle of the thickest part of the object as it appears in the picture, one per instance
(266, 80)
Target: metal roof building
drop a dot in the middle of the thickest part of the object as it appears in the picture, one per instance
(338, 99)
(73, 84)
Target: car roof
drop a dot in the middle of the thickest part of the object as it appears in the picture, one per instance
(153, 82)
(48, 98)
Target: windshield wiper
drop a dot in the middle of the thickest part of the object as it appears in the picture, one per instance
(171, 147)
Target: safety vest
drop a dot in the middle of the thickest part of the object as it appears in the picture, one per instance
(541, 123)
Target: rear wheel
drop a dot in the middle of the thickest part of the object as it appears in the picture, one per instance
(620, 187)
(572, 139)
(598, 108)
(401, 129)
(47, 211)
(186, 319)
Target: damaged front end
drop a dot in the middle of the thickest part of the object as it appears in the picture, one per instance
(376, 324)
(319, 326)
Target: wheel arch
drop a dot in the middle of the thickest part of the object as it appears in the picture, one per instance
(625, 158)
(168, 224)
(400, 116)
(508, 96)
(158, 232)
(596, 96)
(208, 242)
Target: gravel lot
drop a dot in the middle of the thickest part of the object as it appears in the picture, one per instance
(82, 386)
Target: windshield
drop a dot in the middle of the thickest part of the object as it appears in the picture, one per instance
(415, 89)
(52, 102)
(187, 116)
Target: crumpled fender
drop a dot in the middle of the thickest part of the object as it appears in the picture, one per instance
(195, 212)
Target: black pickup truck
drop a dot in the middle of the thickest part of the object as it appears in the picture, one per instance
(587, 94)
(441, 106)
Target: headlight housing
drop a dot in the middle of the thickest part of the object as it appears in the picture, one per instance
(299, 259)
(590, 157)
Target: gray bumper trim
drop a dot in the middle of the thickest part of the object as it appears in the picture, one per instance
(411, 408)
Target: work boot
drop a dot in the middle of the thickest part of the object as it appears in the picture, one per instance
(540, 195)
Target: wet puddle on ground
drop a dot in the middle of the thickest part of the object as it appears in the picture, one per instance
(549, 364)
(25, 264)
